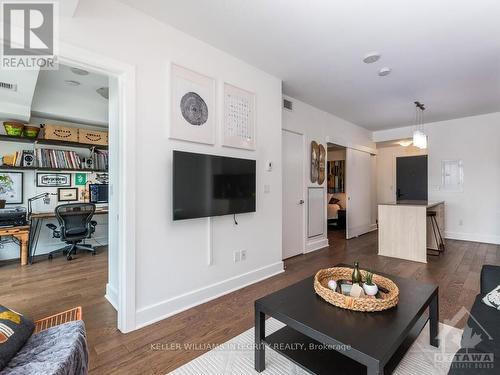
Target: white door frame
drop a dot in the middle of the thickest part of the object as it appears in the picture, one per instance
(304, 218)
(125, 75)
(343, 143)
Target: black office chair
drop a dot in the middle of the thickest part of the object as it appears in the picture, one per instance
(75, 224)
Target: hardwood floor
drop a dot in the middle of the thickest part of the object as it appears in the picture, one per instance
(49, 287)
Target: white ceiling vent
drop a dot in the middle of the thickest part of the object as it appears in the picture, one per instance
(8, 86)
(288, 104)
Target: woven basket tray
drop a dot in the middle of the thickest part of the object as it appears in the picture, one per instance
(387, 301)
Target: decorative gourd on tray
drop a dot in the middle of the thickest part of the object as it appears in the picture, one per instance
(386, 298)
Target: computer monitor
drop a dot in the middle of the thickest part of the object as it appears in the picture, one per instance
(98, 193)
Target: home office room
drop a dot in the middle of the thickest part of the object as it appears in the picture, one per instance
(54, 184)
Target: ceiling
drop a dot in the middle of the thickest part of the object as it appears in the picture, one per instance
(54, 98)
(444, 53)
(46, 94)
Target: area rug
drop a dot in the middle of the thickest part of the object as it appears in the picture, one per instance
(236, 356)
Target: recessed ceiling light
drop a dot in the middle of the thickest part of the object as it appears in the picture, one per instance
(384, 71)
(70, 82)
(371, 57)
(79, 71)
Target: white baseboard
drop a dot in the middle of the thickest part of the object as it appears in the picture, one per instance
(362, 229)
(159, 311)
(316, 244)
(112, 296)
(474, 237)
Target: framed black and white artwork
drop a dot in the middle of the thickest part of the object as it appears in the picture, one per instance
(11, 187)
(239, 118)
(193, 106)
(67, 194)
(53, 179)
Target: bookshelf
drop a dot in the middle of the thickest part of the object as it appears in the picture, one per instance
(37, 141)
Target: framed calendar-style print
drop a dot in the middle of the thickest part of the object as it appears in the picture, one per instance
(239, 118)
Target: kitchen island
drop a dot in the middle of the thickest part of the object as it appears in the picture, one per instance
(405, 232)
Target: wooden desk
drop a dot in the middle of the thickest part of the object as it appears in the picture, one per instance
(52, 214)
(22, 235)
(36, 225)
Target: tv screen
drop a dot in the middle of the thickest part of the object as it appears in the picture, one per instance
(209, 185)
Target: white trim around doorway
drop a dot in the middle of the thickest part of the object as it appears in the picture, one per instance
(124, 74)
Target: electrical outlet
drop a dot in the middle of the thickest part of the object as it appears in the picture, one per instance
(243, 255)
(237, 256)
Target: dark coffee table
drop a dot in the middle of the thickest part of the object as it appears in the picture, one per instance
(324, 339)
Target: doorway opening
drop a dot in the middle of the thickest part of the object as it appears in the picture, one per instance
(336, 192)
(64, 174)
(121, 223)
(411, 178)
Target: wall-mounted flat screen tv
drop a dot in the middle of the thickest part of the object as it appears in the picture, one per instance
(210, 185)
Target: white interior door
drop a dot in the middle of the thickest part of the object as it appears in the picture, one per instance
(293, 194)
(359, 188)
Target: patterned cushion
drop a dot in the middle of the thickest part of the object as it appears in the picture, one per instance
(15, 330)
(492, 299)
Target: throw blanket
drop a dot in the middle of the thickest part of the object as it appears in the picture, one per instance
(60, 350)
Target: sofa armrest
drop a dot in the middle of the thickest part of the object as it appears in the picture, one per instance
(490, 278)
(61, 318)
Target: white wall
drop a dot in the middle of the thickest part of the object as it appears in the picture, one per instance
(473, 214)
(322, 127)
(73, 107)
(16, 105)
(335, 155)
(386, 169)
(171, 260)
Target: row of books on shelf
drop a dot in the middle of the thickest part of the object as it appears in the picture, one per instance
(57, 159)
(101, 158)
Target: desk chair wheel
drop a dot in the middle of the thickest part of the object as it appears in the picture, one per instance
(50, 257)
(93, 252)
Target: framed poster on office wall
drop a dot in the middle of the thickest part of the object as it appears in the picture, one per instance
(192, 106)
(53, 179)
(238, 127)
(11, 187)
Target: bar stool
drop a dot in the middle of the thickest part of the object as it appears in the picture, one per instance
(437, 232)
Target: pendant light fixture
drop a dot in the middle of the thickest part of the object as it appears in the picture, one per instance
(419, 136)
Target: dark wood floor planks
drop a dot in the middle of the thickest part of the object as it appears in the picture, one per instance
(49, 287)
